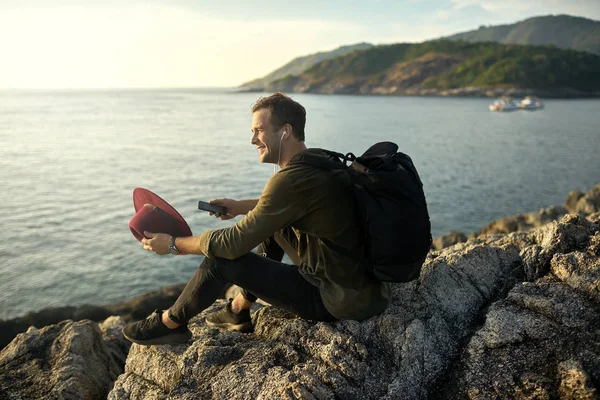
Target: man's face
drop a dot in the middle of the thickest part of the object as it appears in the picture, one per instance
(264, 137)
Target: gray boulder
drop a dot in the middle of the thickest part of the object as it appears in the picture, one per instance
(69, 360)
(542, 341)
(112, 334)
(537, 248)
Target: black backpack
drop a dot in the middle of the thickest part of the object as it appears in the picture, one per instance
(391, 207)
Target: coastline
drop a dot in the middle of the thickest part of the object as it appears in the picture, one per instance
(469, 92)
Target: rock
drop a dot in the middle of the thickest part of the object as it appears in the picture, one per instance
(137, 308)
(584, 204)
(117, 345)
(571, 201)
(594, 217)
(10, 328)
(575, 382)
(70, 360)
(523, 222)
(573, 233)
(542, 341)
(580, 270)
(537, 248)
(448, 239)
(399, 354)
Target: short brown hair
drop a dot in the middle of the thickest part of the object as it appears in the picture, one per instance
(284, 110)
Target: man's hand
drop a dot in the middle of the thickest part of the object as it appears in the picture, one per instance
(234, 207)
(157, 242)
(231, 206)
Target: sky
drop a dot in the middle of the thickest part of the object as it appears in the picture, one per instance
(71, 44)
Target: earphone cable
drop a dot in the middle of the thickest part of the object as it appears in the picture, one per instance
(278, 154)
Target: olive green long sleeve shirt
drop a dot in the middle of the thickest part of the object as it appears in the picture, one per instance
(306, 205)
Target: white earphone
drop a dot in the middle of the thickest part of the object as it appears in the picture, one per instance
(279, 156)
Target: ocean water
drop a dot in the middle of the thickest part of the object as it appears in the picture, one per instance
(70, 160)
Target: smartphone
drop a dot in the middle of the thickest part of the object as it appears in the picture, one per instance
(203, 205)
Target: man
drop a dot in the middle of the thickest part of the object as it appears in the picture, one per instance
(305, 211)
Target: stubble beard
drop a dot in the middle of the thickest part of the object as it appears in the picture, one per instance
(270, 157)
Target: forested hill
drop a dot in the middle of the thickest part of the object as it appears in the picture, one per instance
(445, 67)
(301, 64)
(563, 31)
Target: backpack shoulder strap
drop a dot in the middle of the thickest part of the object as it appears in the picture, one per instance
(322, 158)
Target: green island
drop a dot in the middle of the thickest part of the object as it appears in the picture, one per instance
(451, 68)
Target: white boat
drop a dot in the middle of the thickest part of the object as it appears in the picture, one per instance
(504, 104)
(531, 103)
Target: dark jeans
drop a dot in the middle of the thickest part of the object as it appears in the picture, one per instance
(265, 277)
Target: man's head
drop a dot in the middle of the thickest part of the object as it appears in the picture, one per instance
(273, 117)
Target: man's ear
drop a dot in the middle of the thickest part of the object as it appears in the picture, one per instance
(288, 130)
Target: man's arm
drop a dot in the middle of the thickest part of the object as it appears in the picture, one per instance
(248, 205)
(278, 207)
(189, 245)
(160, 242)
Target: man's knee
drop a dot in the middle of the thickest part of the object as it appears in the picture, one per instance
(225, 269)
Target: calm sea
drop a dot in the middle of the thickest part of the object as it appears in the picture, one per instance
(69, 162)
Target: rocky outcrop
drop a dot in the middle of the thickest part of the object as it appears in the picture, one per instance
(70, 360)
(434, 339)
(515, 223)
(586, 204)
(540, 246)
(498, 316)
(532, 345)
(543, 340)
(137, 308)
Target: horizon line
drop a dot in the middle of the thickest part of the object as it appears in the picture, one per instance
(71, 89)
